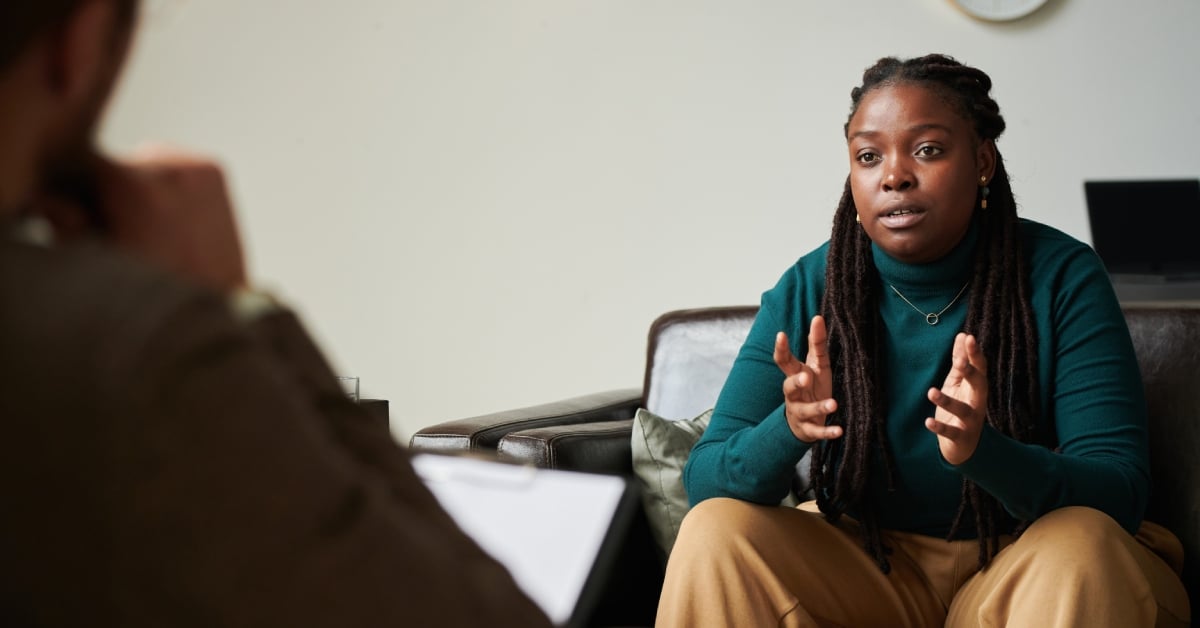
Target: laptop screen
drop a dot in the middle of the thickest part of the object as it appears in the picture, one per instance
(1146, 227)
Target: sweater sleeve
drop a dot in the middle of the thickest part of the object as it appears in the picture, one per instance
(748, 451)
(1095, 402)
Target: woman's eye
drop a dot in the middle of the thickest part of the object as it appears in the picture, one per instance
(929, 151)
(867, 158)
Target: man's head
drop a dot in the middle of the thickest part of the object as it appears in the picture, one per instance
(59, 60)
(21, 22)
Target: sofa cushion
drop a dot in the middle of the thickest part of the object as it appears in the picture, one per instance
(660, 449)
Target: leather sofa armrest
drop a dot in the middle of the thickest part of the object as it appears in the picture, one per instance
(596, 447)
(485, 432)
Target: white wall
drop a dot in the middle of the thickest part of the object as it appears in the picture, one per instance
(481, 204)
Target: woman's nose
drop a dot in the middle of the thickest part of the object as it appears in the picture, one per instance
(899, 177)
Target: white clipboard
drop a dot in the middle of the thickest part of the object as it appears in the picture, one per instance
(557, 532)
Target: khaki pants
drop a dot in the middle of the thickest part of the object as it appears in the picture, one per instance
(739, 564)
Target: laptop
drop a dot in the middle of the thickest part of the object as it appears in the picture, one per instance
(1145, 233)
(557, 532)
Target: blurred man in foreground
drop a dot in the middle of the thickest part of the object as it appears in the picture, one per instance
(175, 451)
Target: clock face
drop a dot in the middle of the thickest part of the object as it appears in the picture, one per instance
(1000, 10)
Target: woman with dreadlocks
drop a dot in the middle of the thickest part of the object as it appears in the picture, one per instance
(969, 395)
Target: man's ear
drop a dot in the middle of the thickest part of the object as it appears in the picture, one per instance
(985, 157)
(82, 48)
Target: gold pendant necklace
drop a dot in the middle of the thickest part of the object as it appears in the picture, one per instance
(931, 317)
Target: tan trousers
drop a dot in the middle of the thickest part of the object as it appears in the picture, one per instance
(739, 564)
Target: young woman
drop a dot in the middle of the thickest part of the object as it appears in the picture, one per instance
(969, 394)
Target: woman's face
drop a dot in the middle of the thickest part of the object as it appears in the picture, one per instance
(915, 168)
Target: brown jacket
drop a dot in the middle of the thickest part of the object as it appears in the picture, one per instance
(162, 464)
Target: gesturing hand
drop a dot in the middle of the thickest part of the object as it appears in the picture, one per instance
(961, 402)
(808, 385)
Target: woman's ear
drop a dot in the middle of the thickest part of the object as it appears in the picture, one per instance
(985, 157)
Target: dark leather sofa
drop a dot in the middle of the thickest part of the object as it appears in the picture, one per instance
(690, 354)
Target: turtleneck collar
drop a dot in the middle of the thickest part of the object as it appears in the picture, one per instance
(954, 267)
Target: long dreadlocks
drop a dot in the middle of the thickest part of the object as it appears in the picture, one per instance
(999, 315)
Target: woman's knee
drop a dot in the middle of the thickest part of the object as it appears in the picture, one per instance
(722, 523)
(1078, 525)
(716, 518)
(1077, 537)
(1071, 563)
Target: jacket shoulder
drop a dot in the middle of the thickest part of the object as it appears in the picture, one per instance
(77, 308)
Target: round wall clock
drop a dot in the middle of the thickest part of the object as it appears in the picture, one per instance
(999, 10)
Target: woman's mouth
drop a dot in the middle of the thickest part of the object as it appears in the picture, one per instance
(902, 217)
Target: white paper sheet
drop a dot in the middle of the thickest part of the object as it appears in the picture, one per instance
(545, 526)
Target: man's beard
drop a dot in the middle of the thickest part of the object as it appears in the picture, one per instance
(67, 176)
(67, 171)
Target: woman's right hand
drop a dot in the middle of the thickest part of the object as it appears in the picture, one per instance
(808, 385)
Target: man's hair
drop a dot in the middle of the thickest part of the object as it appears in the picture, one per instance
(999, 315)
(21, 21)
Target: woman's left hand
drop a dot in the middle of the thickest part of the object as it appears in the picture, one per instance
(961, 402)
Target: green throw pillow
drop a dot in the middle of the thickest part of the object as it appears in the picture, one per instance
(660, 449)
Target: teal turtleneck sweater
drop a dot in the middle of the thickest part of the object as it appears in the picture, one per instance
(1088, 378)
